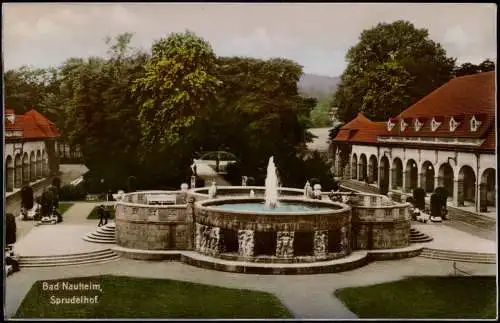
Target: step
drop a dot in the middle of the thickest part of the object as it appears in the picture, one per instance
(98, 237)
(63, 258)
(83, 254)
(458, 254)
(106, 229)
(481, 261)
(470, 253)
(75, 263)
(66, 261)
(100, 234)
(421, 240)
(89, 239)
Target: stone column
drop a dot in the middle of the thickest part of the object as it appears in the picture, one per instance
(284, 243)
(320, 243)
(393, 179)
(370, 174)
(9, 184)
(483, 197)
(421, 179)
(246, 242)
(190, 223)
(406, 182)
(458, 194)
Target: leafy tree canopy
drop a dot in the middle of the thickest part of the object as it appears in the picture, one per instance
(391, 67)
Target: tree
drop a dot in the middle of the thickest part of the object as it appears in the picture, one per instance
(176, 88)
(320, 115)
(10, 229)
(470, 69)
(391, 67)
(27, 200)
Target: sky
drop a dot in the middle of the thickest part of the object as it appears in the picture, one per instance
(316, 35)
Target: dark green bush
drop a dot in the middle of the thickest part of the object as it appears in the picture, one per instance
(27, 199)
(131, 184)
(442, 192)
(436, 205)
(234, 173)
(419, 198)
(72, 193)
(56, 181)
(10, 228)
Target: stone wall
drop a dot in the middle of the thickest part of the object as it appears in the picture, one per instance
(380, 227)
(152, 227)
(319, 227)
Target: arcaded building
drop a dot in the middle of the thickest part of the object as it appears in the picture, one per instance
(30, 149)
(446, 139)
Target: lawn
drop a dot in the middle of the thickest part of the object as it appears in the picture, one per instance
(425, 297)
(63, 207)
(129, 297)
(93, 214)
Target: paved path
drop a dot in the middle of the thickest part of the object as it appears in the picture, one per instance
(209, 174)
(306, 296)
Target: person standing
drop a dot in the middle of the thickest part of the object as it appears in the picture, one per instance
(107, 215)
(100, 213)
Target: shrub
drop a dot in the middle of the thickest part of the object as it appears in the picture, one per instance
(419, 198)
(72, 193)
(234, 173)
(10, 228)
(56, 182)
(131, 184)
(442, 192)
(27, 200)
(436, 205)
(47, 202)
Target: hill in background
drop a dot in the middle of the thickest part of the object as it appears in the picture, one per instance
(318, 86)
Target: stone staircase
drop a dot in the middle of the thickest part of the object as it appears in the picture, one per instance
(475, 257)
(99, 256)
(418, 236)
(477, 224)
(359, 186)
(104, 234)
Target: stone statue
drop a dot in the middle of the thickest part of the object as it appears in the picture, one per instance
(307, 190)
(212, 191)
(252, 193)
(317, 192)
(244, 181)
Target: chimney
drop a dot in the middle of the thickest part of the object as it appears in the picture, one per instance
(10, 115)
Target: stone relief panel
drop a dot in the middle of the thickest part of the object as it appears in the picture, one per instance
(284, 244)
(246, 242)
(207, 239)
(320, 243)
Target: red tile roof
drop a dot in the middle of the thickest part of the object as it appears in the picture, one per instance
(461, 99)
(33, 125)
(360, 130)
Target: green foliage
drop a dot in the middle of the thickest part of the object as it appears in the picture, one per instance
(10, 229)
(470, 69)
(424, 297)
(392, 66)
(131, 184)
(56, 182)
(130, 297)
(419, 198)
(27, 200)
(72, 193)
(320, 115)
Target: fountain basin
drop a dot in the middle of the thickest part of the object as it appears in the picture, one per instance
(242, 229)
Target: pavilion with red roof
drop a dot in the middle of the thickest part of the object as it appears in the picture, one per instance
(447, 139)
(30, 148)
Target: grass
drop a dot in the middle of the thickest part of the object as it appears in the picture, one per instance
(64, 206)
(425, 297)
(129, 297)
(93, 214)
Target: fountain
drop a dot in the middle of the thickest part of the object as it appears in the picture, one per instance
(271, 194)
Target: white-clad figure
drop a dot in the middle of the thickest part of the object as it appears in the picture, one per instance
(317, 192)
(307, 190)
(212, 190)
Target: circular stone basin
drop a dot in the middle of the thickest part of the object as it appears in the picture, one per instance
(286, 207)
